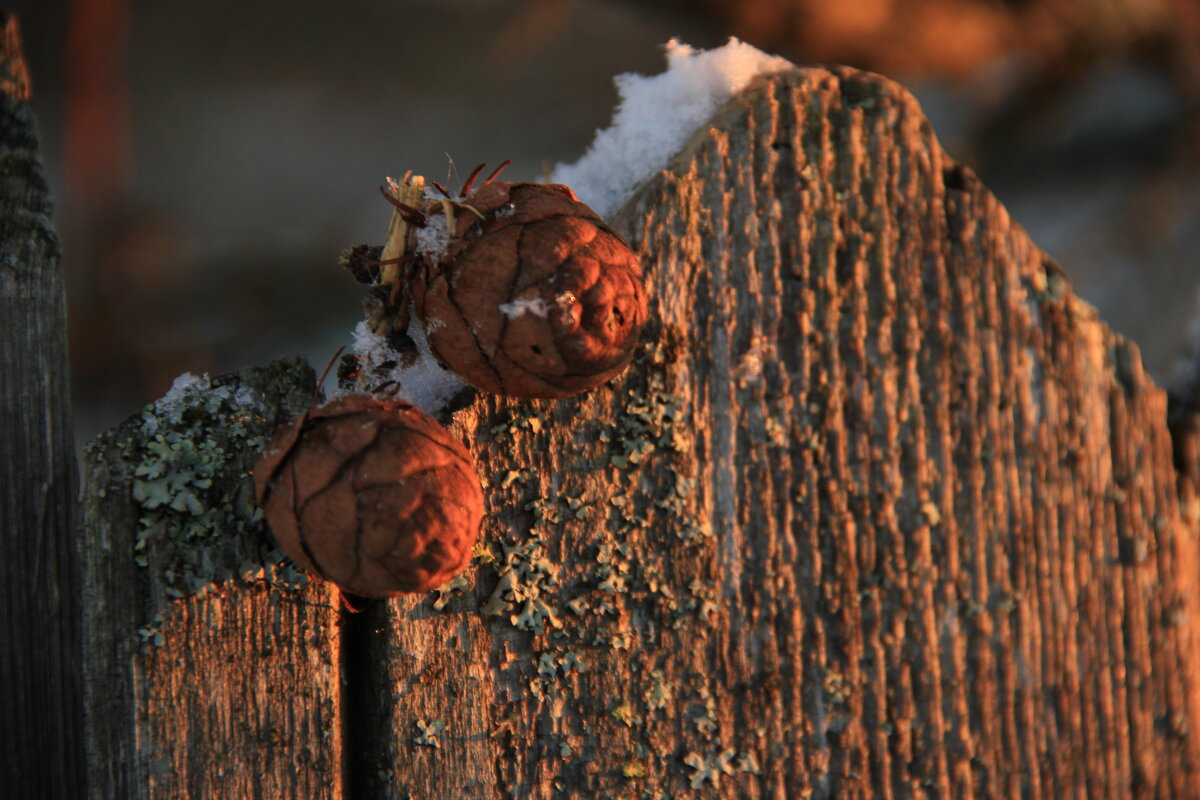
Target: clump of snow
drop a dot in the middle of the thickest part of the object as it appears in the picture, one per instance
(656, 115)
(522, 306)
(424, 383)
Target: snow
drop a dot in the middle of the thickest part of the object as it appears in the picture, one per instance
(434, 238)
(656, 115)
(185, 391)
(424, 383)
(521, 306)
(653, 120)
(190, 391)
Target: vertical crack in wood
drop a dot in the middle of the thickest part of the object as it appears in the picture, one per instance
(360, 736)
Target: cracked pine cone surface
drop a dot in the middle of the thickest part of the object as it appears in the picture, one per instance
(371, 494)
(539, 298)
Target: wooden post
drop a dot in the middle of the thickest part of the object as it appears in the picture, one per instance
(880, 510)
(212, 668)
(41, 715)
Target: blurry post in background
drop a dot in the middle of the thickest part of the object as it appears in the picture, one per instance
(41, 712)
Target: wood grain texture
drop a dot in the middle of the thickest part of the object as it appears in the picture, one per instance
(208, 672)
(41, 711)
(882, 510)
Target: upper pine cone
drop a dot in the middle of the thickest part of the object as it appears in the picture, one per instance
(534, 295)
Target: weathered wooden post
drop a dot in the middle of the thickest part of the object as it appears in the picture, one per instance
(881, 509)
(41, 715)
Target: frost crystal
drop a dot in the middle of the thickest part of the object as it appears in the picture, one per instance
(656, 115)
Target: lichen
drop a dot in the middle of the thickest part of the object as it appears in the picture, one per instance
(710, 768)
(660, 693)
(704, 712)
(428, 733)
(456, 585)
(837, 689)
(189, 454)
(526, 587)
(528, 418)
(151, 634)
(626, 714)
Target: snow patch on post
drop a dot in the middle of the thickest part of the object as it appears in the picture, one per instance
(656, 115)
(190, 391)
(421, 381)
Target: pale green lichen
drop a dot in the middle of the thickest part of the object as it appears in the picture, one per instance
(703, 598)
(456, 585)
(428, 733)
(649, 422)
(189, 454)
(726, 762)
(777, 432)
(566, 663)
(526, 588)
(516, 476)
(704, 713)
(837, 688)
(660, 694)
(519, 420)
(151, 634)
(710, 768)
(613, 567)
(577, 507)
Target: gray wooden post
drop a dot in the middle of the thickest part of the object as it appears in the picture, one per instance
(41, 716)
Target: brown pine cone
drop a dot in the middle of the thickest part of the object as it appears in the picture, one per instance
(371, 494)
(534, 295)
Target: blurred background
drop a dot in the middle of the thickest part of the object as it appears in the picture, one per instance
(210, 161)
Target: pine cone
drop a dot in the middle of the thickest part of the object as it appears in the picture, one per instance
(534, 296)
(371, 494)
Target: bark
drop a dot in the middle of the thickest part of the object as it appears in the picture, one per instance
(41, 752)
(880, 510)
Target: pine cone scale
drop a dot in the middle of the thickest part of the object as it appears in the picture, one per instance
(328, 533)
